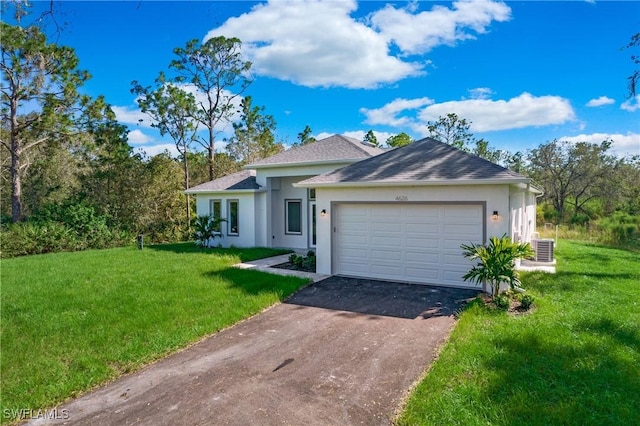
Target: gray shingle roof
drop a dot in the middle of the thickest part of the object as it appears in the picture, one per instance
(333, 148)
(426, 160)
(242, 180)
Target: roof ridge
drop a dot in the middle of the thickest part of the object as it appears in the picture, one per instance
(469, 154)
(359, 145)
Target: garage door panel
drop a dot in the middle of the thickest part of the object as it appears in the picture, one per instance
(424, 212)
(355, 252)
(422, 228)
(382, 255)
(429, 242)
(460, 229)
(386, 241)
(410, 242)
(354, 268)
(420, 274)
(390, 270)
(432, 258)
(354, 240)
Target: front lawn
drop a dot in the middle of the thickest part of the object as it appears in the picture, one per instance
(575, 360)
(71, 321)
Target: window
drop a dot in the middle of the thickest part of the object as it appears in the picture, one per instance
(293, 216)
(215, 211)
(312, 193)
(233, 220)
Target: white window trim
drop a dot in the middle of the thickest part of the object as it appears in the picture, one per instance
(286, 216)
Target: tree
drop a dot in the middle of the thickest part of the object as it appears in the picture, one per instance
(371, 139)
(496, 262)
(216, 69)
(572, 173)
(399, 140)
(305, 136)
(171, 110)
(452, 130)
(635, 76)
(483, 150)
(253, 136)
(39, 75)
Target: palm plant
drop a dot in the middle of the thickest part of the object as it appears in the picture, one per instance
(207, 228)
(496, 262)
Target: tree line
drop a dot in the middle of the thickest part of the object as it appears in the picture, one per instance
(70, 179)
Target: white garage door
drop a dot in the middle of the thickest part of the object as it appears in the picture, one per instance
(406, 242)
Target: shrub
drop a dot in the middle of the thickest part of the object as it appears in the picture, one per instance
(502, 302)
(496, 262)
(25, 238)
(527, 301)
(309, 263)
(207, 229)
(621, 228)
(303, 262)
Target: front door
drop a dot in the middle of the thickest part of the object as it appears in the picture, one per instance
(312, 224)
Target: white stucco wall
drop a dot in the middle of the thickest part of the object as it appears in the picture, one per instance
(286, 191)
(246, 218)
(496, 198)
(523, 214)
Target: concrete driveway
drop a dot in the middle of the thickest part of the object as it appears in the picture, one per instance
(341, 351)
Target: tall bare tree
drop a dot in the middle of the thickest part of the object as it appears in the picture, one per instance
(217, 70)
(172, 110)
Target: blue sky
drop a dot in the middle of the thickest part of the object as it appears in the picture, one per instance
(523, 72)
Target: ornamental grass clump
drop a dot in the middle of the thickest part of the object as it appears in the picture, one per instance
(496, 262)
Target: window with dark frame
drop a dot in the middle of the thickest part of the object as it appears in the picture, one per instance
(233, 219)
(293, 217)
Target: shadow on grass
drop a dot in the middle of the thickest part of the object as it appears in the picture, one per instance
(256, 282)
(592, 382)
(245, 254)
(382, 298)
(610, 328)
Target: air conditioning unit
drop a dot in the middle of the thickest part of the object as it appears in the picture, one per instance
(543, 249)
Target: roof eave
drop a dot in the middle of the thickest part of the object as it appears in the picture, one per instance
(222, 191)
(445, 182)
(302, 164)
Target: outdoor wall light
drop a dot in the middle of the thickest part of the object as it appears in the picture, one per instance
(495, 215)
(323, 213)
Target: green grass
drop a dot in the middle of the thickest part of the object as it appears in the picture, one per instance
(71, 321)
(575, 360)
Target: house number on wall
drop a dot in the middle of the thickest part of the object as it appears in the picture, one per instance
(402, 198)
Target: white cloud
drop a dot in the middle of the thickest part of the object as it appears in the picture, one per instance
(129, 115)
(623, 144)
(486, 115)
(602, 100)
(137, 137)
(416, 33)
(631, 105)
(153, 150)
(318, 44)
(481, 93)
(388, 114)
(359, 134)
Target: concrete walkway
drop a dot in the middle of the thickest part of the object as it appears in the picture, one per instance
(266, 265)
(338, 352)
